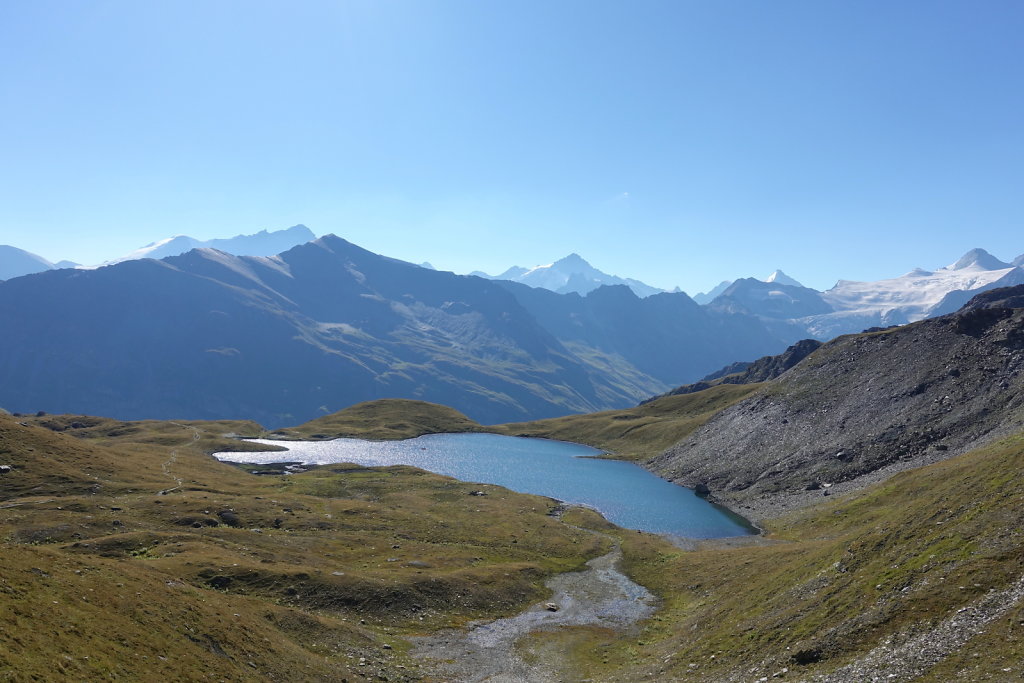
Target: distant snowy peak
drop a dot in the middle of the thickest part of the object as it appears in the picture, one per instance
(171, 246)
(706, 298)
(922, 293)
(780, 278)
(570, 274)
(263, 243)
(978, 259)
(919, 272)
(513, 273)
(16, 262)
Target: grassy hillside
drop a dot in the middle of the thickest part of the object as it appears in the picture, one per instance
(237, 576)
(326, 572)
(891, 563)
(637, 433)
(383, 420)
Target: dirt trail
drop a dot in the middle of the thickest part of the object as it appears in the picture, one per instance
(601, 595)
(166, 467)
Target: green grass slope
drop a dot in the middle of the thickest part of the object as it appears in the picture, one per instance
(383, 420)
(637, 433)
(130, 553)
(843, 579)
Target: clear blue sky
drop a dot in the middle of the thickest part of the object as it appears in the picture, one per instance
(676, 142)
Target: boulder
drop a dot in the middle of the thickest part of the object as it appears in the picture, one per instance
(230, 518)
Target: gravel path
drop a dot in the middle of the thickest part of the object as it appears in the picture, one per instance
(601, 595)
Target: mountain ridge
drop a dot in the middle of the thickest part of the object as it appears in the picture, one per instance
(262, 243)
(327, 324)
(15, 262)
(569, 274)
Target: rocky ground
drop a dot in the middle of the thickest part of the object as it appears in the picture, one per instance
(599, 596)
(912, 653)
(858, 410)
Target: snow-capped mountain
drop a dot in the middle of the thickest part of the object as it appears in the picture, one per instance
(916, 293)
(777, 277)
(262, 243)
(858, 305)
(780, 278)
(16, 262)
(569, 274)
(709, 296)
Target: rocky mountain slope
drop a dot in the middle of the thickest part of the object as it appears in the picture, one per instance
(863, 407)
(761, 370)
(328, 324)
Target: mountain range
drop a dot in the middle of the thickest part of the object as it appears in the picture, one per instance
(15, 262)
(569, 274)
(882, 467)
(327, 324)
(262, 243)
(852, 306)
(783, 305)
(861, 408)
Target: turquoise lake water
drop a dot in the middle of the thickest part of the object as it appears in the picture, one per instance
(624, 493)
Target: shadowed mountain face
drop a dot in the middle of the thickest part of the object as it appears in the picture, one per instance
(743, 372)
(663, 335)
(327, 324)
(772, 299)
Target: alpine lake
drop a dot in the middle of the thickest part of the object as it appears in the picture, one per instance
(624, 493)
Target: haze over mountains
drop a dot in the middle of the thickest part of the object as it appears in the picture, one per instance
(569, 274)
(781, 303)
(327, 324)
(852, 306)
(263, 243)
(15, 262)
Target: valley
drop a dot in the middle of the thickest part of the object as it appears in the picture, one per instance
(439, 341)
(335, 572)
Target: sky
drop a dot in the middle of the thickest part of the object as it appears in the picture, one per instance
(676, 142)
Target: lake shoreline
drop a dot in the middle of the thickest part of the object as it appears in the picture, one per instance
(561, 470)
